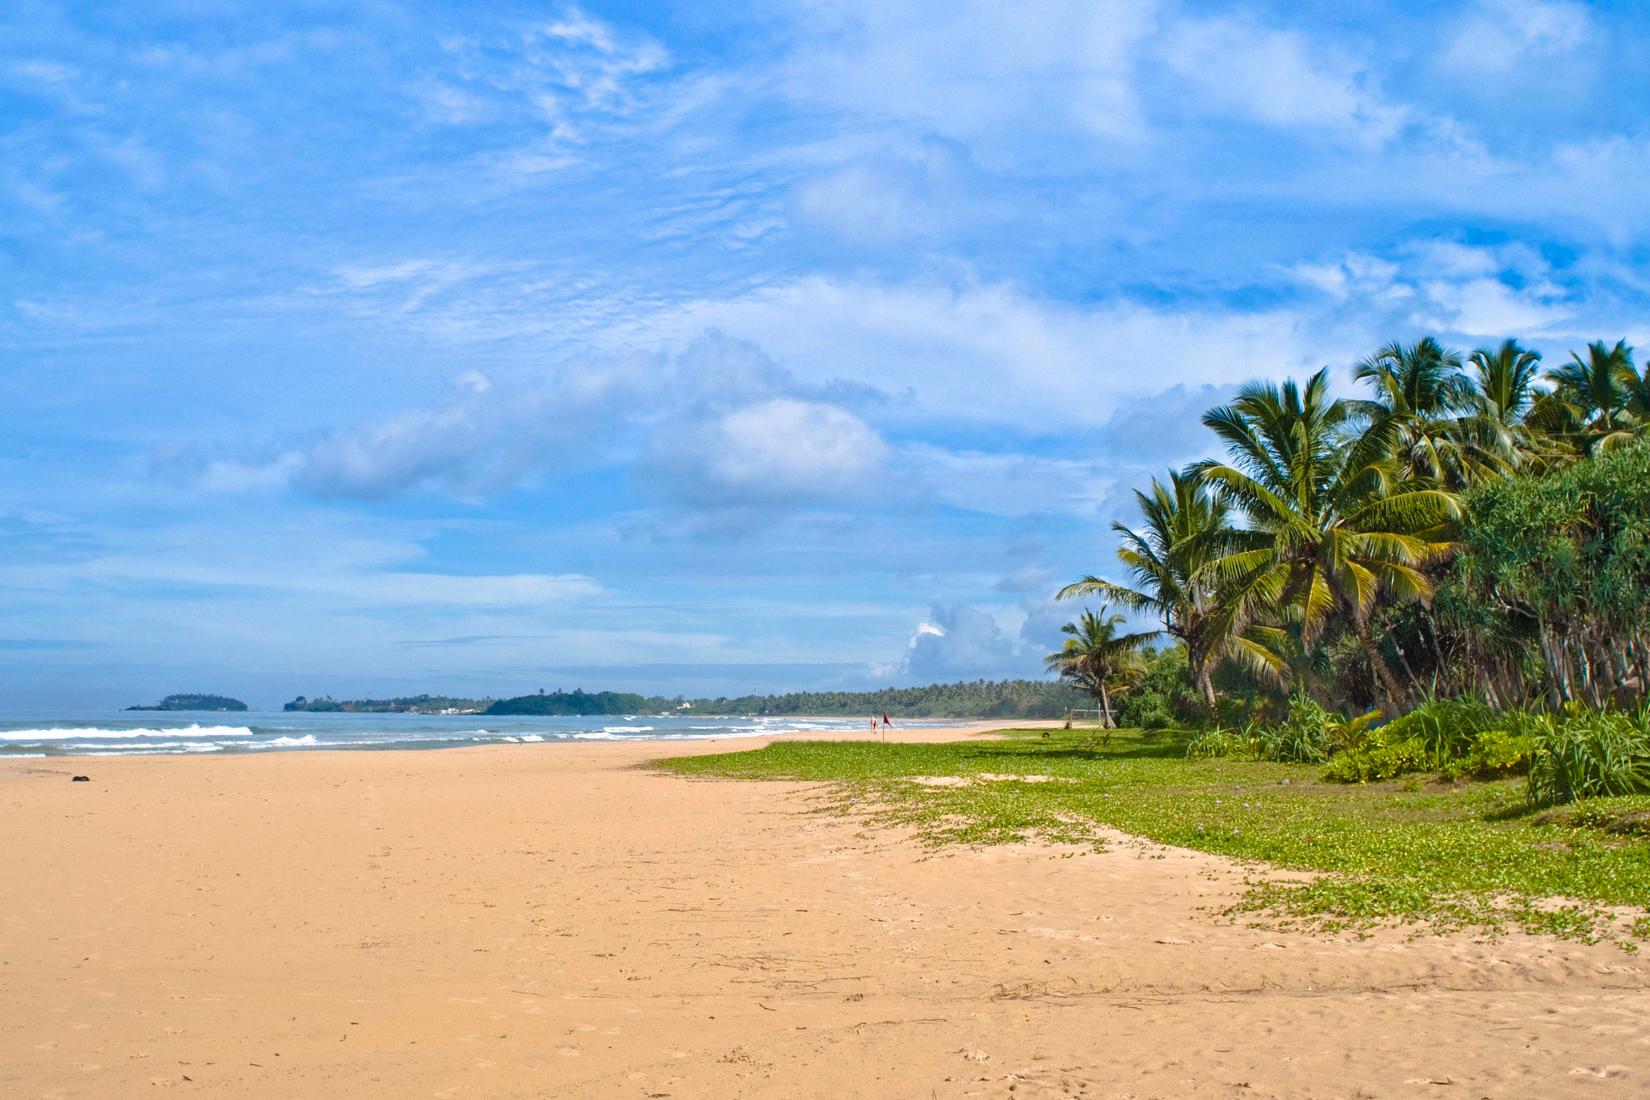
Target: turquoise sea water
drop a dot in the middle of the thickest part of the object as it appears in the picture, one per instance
(127, 733)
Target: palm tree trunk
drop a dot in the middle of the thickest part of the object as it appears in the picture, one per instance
(1105, 705)
(1385, 681)
(1206, 685)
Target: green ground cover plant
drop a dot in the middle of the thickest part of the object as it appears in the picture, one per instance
(1474, 855)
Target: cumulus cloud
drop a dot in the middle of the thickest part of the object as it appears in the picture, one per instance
(776, 451)
(718, 427)
(477, 438)
(1474, 291)
(962, 642)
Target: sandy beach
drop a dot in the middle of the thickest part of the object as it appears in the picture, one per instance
(556, 921)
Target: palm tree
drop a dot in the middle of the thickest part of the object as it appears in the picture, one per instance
(1505, 381)
(1503, 392)
(1421, 388)
(1096, 658)
(1591, 397)
(1330, 520)
(1184, 530)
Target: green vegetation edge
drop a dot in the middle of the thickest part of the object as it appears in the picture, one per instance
(1432, 854)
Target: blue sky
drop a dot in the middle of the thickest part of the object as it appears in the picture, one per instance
(383, 347)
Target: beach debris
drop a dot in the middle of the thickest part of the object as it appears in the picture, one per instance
(81, 779)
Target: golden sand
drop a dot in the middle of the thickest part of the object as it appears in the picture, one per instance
(554, 921)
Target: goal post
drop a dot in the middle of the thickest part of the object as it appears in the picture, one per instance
(1091, 720)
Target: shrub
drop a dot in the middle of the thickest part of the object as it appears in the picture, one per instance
(1219, 741)
(1164, 695)
(1495, 752)
(1457, 737)
(1356, 734)
(1447, 727)
(1302, 737)
(1380, 762)
(1586, 754)
(1148, 711)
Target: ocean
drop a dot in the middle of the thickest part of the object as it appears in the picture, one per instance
(131, 733)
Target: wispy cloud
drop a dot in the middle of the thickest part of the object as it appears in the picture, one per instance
(333, 330)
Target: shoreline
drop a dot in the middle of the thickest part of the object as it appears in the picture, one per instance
(527, 739)
(508, 922)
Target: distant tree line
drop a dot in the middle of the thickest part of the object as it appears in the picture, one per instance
(967, 699)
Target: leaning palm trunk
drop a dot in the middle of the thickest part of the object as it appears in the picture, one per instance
(1205, 685)
(1385, 682)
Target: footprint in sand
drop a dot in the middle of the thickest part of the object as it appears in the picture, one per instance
(1599, 1071)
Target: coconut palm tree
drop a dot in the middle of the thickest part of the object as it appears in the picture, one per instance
(1505, 382)
(1184, 530)
(1591, 397)
(1330, 520)
(1422, 389)
(1098, 659)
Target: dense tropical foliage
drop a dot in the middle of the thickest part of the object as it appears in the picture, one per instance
(1470, 528)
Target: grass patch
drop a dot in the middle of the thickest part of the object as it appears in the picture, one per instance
(1463, 856)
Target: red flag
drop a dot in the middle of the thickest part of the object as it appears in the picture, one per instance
(885, 719)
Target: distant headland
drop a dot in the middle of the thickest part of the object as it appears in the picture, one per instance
(194, 702)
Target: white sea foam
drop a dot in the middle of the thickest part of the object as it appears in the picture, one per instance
(627, 729)
(59, 733)
(532, 737)
(154, 750)
(307, 741)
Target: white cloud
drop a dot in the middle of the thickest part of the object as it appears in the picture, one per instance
(962, 643)
(348, 572)
(571, 78)
(781, 451)
(976, 70)
(476, 439)
(718, 426)
(1488, 308)
(1281, 78)
(1505, 36)
(1008, 484)
(1475, 291)
(992, 353)
(916, 193)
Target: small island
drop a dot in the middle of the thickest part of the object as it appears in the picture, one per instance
(194, 702)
